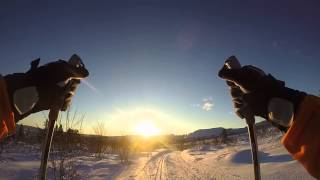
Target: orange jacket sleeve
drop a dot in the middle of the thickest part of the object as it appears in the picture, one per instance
(302, 139)
(7, 123)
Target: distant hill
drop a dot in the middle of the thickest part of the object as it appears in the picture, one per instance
(205, 133)
(259, 125)
(215, 132)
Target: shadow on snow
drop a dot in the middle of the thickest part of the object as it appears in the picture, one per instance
(244, 157)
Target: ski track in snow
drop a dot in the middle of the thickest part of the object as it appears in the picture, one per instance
(230, 162)
(205, 163)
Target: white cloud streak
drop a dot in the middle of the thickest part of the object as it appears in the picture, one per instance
(207, 105)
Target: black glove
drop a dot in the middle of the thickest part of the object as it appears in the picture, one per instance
(257, 89)
(52, 82)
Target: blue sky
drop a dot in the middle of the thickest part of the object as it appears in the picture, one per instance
(158, 60)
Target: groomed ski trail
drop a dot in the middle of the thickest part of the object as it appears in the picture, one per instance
(172, 165)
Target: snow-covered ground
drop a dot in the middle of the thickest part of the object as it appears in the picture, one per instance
(223, 162)
(228, 162)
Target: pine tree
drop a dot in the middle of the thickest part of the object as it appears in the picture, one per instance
(60, 129)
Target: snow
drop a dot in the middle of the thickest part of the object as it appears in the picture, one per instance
(93, 168)
(21, 161)
(222, 162)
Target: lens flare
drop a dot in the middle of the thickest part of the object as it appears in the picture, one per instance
(146, 128)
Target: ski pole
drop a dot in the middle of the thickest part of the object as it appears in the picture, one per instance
(53, 115)
(245, 112)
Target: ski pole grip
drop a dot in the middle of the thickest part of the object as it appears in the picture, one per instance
(244, 112)
(233, 63)
(73, 83)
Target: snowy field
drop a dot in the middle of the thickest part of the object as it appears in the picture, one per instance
(21, 161)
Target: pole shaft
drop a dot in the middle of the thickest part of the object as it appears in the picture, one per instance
(254, 147)
(53, 115)
(245, 112)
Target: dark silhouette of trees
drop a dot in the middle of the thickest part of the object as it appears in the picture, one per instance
(224, 136)
(21, 133)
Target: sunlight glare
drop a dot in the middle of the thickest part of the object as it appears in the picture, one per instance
(147, 128)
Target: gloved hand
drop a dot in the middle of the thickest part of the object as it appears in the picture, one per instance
(40, 87)
(250, 86)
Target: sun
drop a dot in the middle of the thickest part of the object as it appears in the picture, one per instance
(146, 128)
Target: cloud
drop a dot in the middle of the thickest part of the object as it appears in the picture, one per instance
(207, 105)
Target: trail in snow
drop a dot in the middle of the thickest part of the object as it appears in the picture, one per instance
(161, 172)
(169, 165)
(227, 162)
(205, 163)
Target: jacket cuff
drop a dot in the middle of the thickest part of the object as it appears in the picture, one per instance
(7, 122)
(301, 139)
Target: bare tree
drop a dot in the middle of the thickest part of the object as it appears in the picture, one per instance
(66, 145)
(99, 142)
(123, 149)
(99, 128)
